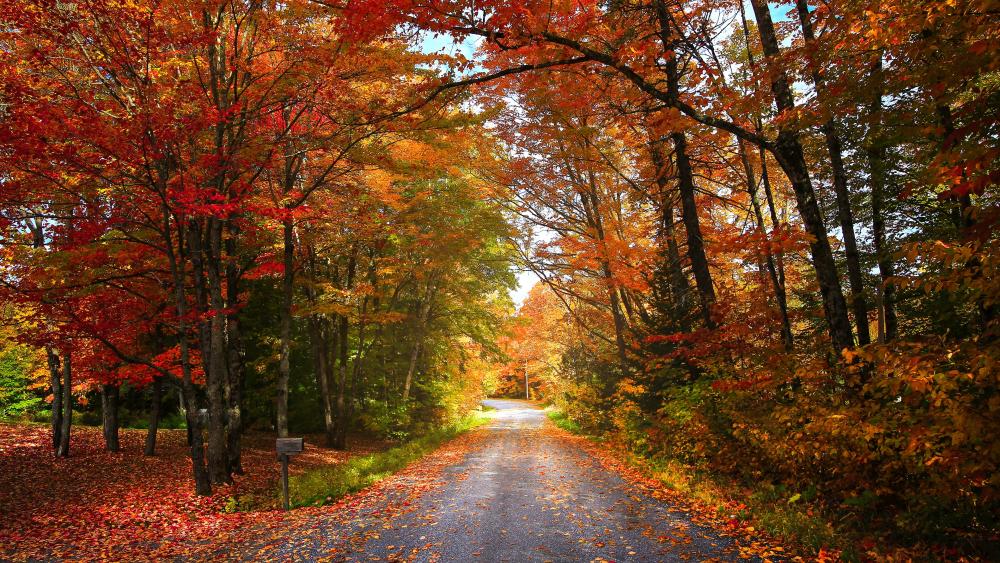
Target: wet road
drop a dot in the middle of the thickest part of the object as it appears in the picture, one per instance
(520, 493)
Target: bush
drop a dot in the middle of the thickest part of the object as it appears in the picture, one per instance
(17, 398)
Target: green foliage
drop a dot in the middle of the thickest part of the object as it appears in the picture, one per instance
(387, 419)
(17, 398)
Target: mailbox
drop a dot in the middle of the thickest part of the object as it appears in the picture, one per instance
(289, 446)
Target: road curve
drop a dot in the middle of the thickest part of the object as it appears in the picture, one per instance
(521, 493)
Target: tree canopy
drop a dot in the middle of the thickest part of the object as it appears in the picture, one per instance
(761, 232)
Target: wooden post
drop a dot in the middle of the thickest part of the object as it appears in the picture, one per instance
(284, 480)
(287, 447)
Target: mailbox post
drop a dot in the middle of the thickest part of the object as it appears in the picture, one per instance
(287, 447)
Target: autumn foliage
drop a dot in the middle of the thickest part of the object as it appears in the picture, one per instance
(765, 239)
(764, 234)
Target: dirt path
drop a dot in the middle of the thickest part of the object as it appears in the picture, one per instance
(516, 490)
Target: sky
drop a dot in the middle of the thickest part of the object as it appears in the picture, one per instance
(525, 281)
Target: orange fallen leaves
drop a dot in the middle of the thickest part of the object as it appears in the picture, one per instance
(124, 506)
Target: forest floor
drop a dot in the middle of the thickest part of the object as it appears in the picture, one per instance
(126, 506)
(516, 489)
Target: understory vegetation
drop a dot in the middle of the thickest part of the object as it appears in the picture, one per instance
(327, 484)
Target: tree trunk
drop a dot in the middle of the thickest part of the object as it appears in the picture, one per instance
(284, 365)
(109, 411)
(592, 207)
(67, 405)
(320, 357)
(685, 175)
(965, 220)
(156, 397)
(236, 355)
(217, 373)
(617, 317)
(875, 151)
(234, 434)
(788, 152)
(692, 227)
(343, 333)
(678, 282)
(203, 485)
(202, 243)
(358, 374)
(320, 340)
(341, 434)
(202, 480)
(56, 385)
(844, 213)
(414, 355)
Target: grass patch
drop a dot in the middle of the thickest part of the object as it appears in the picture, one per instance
(562, 420)
(327, 484)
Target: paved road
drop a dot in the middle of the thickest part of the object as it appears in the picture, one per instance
(522, 493)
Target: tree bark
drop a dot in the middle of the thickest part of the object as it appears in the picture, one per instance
(202, 247)
(202, 480)
(67, 405)
(788, 152)
(56, 385)
(217, 374)
(109, 411)
(423, 314)
(156, 396)
(357, 374)
(320, 340)
(38, 241)
(965, 220)
(341, 434)
(234, 434)
(592, 208)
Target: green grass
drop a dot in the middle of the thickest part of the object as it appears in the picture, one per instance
(563, 421)
(327, 484)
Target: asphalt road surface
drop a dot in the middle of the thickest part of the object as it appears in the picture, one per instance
(521, 493)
